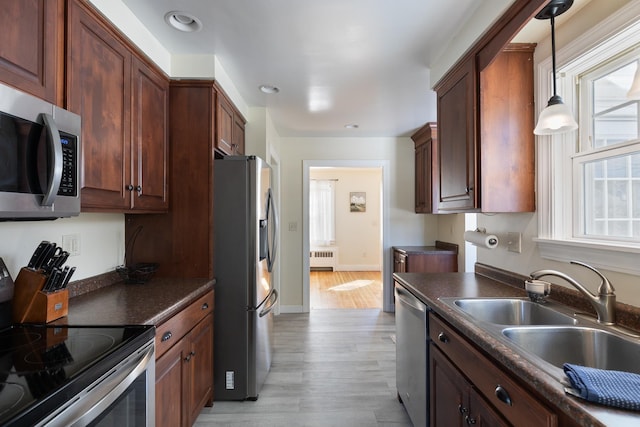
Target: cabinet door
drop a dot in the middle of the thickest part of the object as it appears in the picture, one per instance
(224, 126)
(172, 386)
(99, 89)
(399, 262)
(238, 134)
(149, 139)
(423, 184)
(482, 414)
(200, 367)
(31, 50)
(449, 392)
(457, 140)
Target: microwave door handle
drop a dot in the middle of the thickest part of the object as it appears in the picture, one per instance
(55, 160)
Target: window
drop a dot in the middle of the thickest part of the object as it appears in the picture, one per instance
(589, 180)
(322, 222)
(607, 165)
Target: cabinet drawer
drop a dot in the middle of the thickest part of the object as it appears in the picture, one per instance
(515, 403)
(171, 331)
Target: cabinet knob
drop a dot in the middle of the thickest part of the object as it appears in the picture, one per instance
(443, 338)
(130, 187)
(166, 336)
(503, 395)
(139, 189)
(470, 420)
(189, 356)
(468, 189)
(205, 306)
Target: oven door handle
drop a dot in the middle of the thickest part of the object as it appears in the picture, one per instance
(55, 160)
(95, 399)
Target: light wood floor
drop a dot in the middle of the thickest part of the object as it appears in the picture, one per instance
(330, 368)
(345, 289)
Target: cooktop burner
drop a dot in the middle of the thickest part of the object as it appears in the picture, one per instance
(41, 366)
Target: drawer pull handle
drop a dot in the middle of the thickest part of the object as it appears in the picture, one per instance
(443, 338)
(205, 306)
(470, 420)
(166, 336)
(189, 356)
(503, 395)
(462, 409)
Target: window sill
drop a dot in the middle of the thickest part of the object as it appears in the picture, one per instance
(623, 259)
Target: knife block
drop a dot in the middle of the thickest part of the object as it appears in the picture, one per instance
(31, 305)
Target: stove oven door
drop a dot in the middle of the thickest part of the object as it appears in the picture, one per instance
(125, 396)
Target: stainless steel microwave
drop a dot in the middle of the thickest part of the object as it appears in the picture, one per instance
(40, 158)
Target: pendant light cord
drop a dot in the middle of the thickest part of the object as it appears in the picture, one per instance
(553, 52)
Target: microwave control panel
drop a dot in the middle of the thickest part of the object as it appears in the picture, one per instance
(69, 181)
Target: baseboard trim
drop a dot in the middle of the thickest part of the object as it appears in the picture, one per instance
(343, 267)
(291, 309)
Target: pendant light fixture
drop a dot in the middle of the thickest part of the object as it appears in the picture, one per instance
(557, 117)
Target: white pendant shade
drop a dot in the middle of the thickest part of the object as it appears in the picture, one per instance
(556, 118)
(634, 92)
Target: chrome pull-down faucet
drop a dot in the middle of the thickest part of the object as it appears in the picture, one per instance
(604, 303)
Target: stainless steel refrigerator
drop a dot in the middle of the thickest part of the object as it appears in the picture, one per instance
(244, 255)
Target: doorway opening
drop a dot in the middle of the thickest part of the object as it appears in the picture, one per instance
(346, 263)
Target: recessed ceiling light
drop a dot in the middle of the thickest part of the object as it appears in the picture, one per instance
(269, 89)
(183, 21)
(351, 126)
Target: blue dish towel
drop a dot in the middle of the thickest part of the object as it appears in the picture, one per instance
(611, 388)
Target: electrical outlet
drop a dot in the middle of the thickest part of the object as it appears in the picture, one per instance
(514, 242)
(71, 244)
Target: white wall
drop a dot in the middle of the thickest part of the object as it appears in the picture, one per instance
(406, 227)
(101, 242)
(358, 234)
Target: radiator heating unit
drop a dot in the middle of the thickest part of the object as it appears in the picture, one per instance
(324, 258)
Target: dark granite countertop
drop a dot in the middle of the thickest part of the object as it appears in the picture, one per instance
(432, 286)
(150, 303)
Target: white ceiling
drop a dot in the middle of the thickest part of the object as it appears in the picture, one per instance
(335, 61)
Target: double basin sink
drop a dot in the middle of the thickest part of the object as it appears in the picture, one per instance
(551, 335)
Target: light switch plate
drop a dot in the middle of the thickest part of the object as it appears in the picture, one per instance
(514, 242)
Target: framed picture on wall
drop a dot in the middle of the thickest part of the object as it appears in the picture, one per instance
(357, 201)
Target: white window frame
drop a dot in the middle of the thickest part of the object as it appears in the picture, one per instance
(556, 195)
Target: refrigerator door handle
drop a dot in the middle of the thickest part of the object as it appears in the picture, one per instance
(273, 215)
(272, 298)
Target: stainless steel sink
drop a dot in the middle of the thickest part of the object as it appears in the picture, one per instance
(585, 346)
(512, 311)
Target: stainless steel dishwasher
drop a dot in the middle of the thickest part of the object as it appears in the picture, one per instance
(412, 355)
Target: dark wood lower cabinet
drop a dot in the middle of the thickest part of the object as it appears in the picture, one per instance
(469, 388)
(441, 258)
(184, 364)
(454, 401)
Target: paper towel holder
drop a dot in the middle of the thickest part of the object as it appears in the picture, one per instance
(479, 237)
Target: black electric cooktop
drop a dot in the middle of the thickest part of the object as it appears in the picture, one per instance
(43, 366)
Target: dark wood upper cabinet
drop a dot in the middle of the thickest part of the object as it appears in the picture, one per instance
(229, 126)
(426, 170)
(506, 122)
(123, 103)
(99, 89)
(31, 52)
(457, 102)
(486, 153)
(150, 138)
